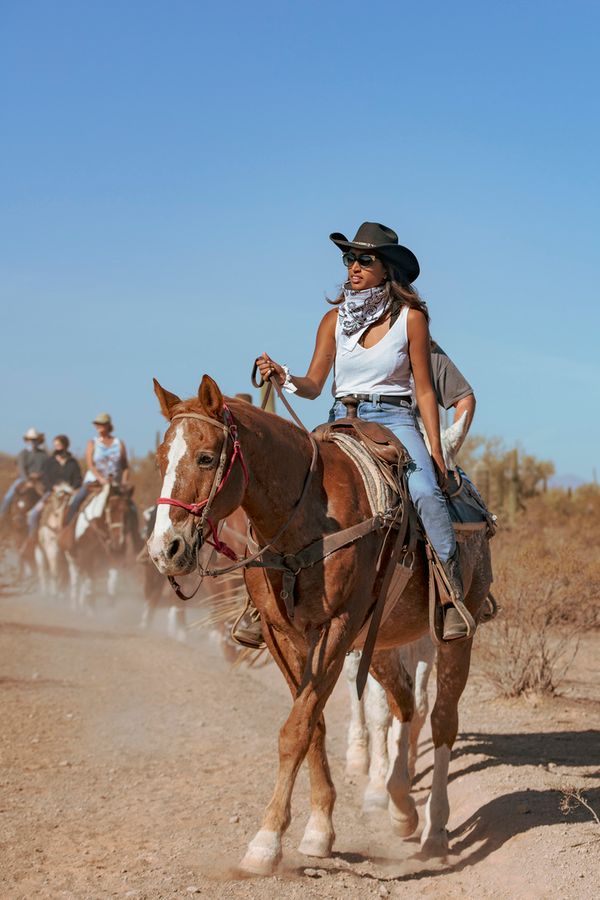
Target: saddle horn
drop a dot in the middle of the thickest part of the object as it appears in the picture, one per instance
(351, 404)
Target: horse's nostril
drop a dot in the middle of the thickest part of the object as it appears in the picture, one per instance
(173, 548)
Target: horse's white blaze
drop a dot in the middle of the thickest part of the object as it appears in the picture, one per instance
(94, 510)
(162, 526)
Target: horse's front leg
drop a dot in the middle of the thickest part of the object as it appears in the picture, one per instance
(42, 568)
(301, 731)
(176, 623)
(452, 672)
(319, 833)
(74, 579)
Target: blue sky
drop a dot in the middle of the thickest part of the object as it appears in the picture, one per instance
(171, 172)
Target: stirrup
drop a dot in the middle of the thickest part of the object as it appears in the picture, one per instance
(455, 627)
(249, 633)
(489, 609)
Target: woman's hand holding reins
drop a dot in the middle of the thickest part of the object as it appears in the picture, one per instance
(441, 472)
(268, 367)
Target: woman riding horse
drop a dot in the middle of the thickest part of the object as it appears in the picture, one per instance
(377, 340)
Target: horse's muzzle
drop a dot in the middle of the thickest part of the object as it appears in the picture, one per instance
(172, 552)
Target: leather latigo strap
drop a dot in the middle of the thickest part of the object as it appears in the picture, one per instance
(394, 542)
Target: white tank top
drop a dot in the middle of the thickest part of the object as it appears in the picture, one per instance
(107, 460)
(381, 369)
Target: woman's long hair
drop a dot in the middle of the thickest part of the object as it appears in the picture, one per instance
(400, 292)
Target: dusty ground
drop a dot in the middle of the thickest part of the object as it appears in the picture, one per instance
(134, 766)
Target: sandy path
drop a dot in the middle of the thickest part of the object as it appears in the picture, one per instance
(133, 766)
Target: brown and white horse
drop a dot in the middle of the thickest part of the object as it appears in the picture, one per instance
(98, 544)
(263, 469)
(49, 557)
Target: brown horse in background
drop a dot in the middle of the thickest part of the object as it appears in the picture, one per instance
(334, 597)
(26, 496)
(95, 543)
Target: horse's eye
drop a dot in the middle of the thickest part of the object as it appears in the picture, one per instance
(205, 459)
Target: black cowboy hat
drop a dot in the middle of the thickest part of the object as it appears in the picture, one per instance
(384, 242)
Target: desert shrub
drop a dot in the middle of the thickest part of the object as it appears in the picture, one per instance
(553, 543)
(547, 580)
(505, 467)
(523, 651)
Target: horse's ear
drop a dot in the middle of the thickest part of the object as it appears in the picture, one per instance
(210, 396)
(166, 399)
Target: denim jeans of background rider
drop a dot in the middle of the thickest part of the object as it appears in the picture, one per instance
(422, 483)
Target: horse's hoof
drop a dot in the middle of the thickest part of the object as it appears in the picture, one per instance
(315, 843)
(435, 845)
(403, 824)
(263, 854)
(375, 799)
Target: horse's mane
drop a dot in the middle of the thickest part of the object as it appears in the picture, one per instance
(244, 413)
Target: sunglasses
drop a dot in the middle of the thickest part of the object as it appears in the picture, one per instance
(364, 260)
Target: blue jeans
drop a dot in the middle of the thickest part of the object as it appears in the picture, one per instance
(8, 497)
(76, 502)
(422, 484)
(33, 516)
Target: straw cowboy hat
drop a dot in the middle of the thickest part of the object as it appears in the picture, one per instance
(32, 434)
(384, 242)
(103, 419)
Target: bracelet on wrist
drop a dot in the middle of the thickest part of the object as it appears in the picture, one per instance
(288, 385)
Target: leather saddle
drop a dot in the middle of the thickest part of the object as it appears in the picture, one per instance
(382, 444)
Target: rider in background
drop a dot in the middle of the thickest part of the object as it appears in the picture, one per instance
(451, 387)
(60, 468)
(30, 463)
(106, 461)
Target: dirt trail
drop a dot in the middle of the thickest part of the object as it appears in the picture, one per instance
(133, 766)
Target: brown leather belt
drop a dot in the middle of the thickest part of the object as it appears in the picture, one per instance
(394, 399)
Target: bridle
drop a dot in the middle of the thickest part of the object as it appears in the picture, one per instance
(114, 526)
(202, 508)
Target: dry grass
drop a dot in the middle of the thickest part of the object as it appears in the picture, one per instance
(572, 798)
(547, 580)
